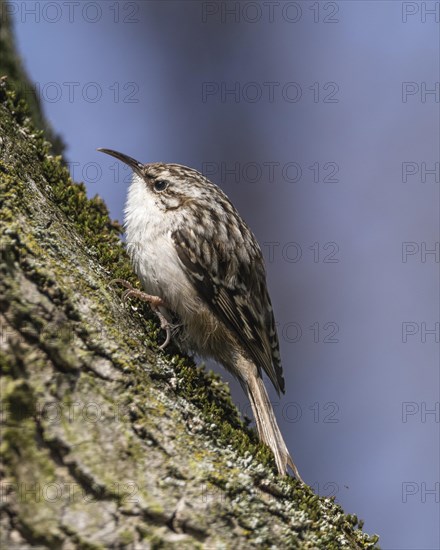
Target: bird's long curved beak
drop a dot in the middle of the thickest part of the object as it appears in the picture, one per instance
(135, 165)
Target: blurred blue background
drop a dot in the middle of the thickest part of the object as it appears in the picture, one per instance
(320, 120)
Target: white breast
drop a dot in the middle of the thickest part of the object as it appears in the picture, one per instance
(152, 252)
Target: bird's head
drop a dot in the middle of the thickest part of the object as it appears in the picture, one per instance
(169, 186)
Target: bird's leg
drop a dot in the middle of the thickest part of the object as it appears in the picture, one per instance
(164, 325)
(156, 303)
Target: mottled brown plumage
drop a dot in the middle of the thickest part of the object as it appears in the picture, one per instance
(192, 250)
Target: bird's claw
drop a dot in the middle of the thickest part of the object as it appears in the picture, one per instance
(155, 302)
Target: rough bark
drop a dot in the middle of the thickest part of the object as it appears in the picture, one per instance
(106, 441)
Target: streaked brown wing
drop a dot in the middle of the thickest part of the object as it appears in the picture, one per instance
(233, 283)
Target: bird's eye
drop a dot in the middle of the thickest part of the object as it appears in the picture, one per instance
(160, 185)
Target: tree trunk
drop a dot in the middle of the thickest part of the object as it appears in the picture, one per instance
(106, 441)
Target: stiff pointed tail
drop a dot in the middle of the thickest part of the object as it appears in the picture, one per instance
(267, 426)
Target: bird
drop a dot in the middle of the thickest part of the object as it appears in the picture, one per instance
(198, 261)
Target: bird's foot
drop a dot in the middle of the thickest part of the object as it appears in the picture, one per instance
(157, 304)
